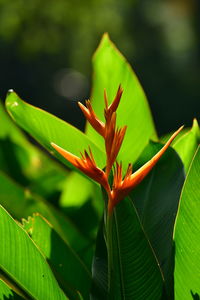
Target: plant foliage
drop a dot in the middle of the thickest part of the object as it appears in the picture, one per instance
(116, 235)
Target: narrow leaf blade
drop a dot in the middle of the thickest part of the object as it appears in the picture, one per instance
(68, 268)
(23, 263)
(46, 128)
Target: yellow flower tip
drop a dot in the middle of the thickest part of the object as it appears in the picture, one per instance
(56, 147)
(85, 110)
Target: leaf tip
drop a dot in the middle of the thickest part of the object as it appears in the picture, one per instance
(11, 100)
(195, 123)
(10, 91)
(105, 36)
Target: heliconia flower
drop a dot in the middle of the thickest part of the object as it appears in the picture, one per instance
(113, 137)
(85, 164)
(121, 188)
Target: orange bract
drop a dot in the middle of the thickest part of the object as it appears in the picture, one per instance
(113, 137)
(92, 118)
(121, 188)
(86, 164)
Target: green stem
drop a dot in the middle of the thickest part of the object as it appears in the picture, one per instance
(109, 239)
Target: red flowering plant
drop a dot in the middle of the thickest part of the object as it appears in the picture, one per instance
(124, 222)
(113, 137)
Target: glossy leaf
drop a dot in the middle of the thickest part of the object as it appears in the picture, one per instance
(110, 69)
(69, 270)
(24, 162)
(187, 144)
(33, 275)
(156, 200)
(9, 129)
(21, 203)
(187, 236)
(46, 128)
(134, 272)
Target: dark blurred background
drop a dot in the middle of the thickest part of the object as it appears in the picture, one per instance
(46, 48)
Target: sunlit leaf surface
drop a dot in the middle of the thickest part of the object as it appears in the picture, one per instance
(21, 203)
(46, 128)
(111, 69)
(187, 236)
(187, 144)
(33, 275)
(69, 270)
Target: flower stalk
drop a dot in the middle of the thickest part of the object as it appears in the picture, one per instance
(113, 139)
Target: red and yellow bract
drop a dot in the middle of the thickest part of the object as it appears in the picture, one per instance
(113, 138)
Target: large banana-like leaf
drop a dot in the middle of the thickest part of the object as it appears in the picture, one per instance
(26, 163)
(156, 200)
(132, 271)
(23, 263)
(111, 69)
(187, 236)
(46, 128)
(69, 270)
(21, 203)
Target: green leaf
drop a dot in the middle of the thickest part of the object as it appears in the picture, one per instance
(187, 144)
(99, 288)
(11, 161)
(133, 271)
(22, 262)
(187, 236)
(156, 199)
(111, 69)
(9, 129)
(7, 293)
(46, 128)
(82, 206)
(69, 270)
(21, 203)
(24, 162)
(71, 195)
